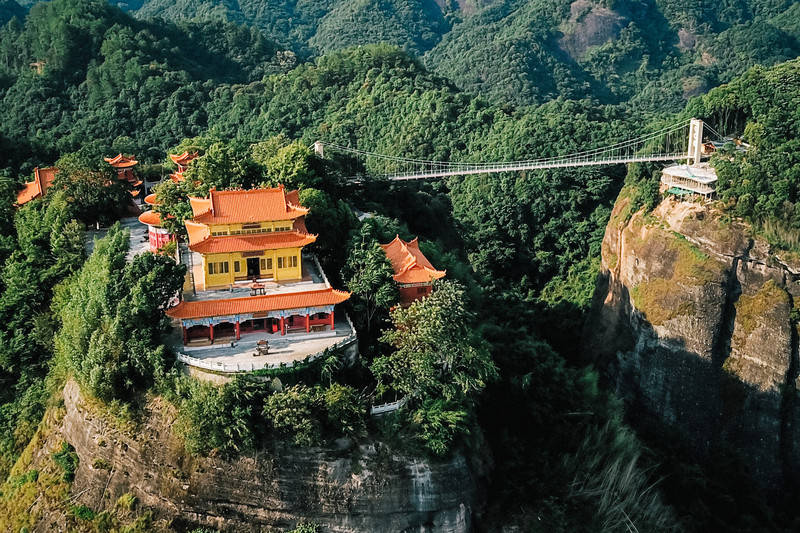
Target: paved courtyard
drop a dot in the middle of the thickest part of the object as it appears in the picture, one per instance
(139, 242)
(228, 355)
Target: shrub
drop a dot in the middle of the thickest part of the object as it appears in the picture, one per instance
(101, 464)
(127, 501)
(82, 512)
(345, 410)
(67, 460)
(439, 424)
(305, 526)
(221, 418)
(294, 413)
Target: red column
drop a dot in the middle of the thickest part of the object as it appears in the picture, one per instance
(308, 323)
(185, 335)
(331, 317)
(238, 335)
(211, 333)
(283, 326)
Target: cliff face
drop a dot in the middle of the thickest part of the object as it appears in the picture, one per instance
(343, 488)
(694, 323)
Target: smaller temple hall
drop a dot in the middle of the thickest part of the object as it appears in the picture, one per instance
(413, 273)
(42, 180)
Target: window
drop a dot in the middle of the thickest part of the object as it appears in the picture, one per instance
(263, 264)
(422, 290)
(292, 261)
(269, 263)
(280, 262)
(236, 267)
(218, 268)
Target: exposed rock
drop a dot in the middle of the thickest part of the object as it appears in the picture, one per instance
(589, 25)
(692, 323)
(686, 39)
(344, 488)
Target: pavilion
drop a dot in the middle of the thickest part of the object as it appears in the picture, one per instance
(124, 167)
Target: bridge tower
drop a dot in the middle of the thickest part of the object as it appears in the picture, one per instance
(695, 142)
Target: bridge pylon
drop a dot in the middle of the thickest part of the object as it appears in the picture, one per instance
(695, 142)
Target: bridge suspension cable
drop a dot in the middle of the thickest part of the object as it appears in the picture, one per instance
(677, 141)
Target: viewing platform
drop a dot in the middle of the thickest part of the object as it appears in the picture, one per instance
(699, 179)
(227, 355)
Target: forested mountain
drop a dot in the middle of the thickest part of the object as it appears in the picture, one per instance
(107, 76)
(656, 53)
(10, 9)
(525, 245)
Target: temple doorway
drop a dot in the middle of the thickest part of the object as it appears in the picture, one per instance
(253, 268)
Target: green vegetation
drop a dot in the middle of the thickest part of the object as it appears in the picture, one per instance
(111, 316)
(244, 414)
(67, 460)
(368, 275)
(761, 184)
(491, 359)
(752, 308)
(655, 54)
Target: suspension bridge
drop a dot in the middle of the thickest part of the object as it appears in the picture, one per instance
(680, 141)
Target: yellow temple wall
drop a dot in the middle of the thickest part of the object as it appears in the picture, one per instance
(255, 227)
(270, 257)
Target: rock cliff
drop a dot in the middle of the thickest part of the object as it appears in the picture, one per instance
(695, 323)
(344, 488)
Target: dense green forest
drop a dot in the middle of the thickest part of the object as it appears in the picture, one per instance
(654, 54)
(521, 249)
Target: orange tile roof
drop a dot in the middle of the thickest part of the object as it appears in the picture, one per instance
(242, 206)
(252, 243)
(121, 161)
(256, 304)
(183, 159)
(42, 180)
(150, 199)
(197, 232)
(408, 262)
(151, 218)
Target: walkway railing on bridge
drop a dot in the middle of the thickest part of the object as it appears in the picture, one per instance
(682, 140)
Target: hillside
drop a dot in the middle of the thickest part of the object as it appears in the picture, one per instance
(655, 54)
(521, 252)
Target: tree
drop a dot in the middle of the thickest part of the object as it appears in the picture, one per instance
(368, 274)
(91, 186)
(436, 353)
(294, 412)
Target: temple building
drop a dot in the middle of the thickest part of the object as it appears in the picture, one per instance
(157, 235)
(183, 160)
(250, 274)
(124, 167)
(42, 180)
(248, 235)
(413, 273)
